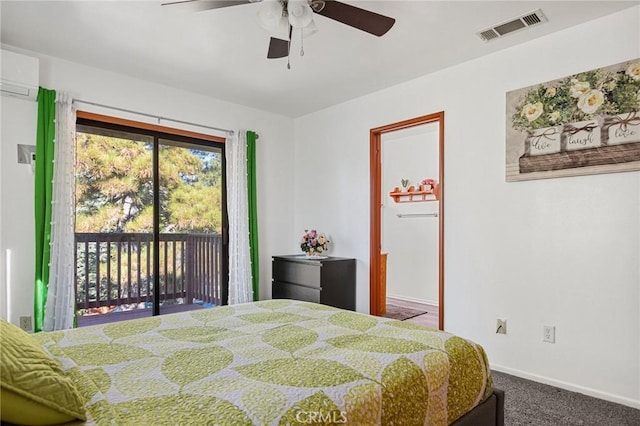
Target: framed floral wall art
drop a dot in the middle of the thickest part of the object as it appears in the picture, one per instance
(582, 124)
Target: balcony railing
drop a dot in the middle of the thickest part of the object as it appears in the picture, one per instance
(115, 269)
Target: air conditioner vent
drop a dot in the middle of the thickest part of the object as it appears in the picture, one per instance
(532, 19)
(488, 35)
(515, 24)
(510, 27)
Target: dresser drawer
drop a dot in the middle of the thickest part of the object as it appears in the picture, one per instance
(330, 281)
(280, 290)
(295, 272)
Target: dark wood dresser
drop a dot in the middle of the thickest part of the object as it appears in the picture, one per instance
(330, 281)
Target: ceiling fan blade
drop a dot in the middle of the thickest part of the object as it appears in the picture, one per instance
(201, 5)
(362, 19)
(278, 48)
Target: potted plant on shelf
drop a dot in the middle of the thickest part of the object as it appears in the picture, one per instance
(314, 244)
(427, 184)
(404, 182)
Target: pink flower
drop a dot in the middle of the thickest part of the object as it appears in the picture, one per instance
(313, 242)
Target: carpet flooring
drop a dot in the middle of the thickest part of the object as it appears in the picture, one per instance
(402, 313)
(531, 403)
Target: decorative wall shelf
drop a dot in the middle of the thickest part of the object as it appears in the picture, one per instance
(414, 196)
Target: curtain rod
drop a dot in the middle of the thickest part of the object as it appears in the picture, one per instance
(230, 132)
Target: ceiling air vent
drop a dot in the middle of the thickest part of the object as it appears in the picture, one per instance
(519, 23)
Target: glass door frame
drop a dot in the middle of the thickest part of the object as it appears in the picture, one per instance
(191, 138)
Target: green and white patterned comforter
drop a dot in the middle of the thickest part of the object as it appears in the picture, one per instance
(276, 362)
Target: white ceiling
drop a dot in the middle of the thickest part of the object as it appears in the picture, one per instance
(222, 52)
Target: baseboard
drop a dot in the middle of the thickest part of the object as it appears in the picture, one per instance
(568, 386)
(413, 299)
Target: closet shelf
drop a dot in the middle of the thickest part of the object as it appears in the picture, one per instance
(413, 196)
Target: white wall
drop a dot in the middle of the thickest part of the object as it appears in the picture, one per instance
(274, 153)
(411, 243)
(16, 208)
(561, 252)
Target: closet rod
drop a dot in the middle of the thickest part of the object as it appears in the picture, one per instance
(157, 117)
(403, 215)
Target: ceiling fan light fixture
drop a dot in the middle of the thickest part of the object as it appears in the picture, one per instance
(309, 30)
(281, 17)
(300, 13)
(270, 15)
(282, 30)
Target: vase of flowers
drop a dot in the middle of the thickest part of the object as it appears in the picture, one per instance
(314, 244)
(427, 184)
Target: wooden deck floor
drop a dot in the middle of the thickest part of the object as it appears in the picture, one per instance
(87, 320)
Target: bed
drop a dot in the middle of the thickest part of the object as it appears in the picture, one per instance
(275, 362)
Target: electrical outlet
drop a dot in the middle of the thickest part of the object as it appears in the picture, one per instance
(25, 323)
(549, 333)
(501, 326)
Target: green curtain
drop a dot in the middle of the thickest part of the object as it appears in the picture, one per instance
(253, 213)
(43, 192)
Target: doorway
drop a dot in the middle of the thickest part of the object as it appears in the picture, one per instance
(419, 203)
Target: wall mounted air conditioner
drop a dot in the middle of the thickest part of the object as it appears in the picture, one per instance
(19, 75)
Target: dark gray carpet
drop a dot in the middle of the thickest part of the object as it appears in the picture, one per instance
(402, 313)
(531, 403)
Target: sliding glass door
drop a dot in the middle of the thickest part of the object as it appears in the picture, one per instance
(138, 190)
(190, 224)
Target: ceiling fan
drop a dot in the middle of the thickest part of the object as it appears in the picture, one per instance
(281, 17)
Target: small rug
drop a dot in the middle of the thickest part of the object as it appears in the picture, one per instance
(401, 313)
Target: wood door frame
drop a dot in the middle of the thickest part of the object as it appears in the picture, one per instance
(375, 138)
(147, 126)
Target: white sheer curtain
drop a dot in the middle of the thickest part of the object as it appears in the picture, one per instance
(60, 308)
(240, 287)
